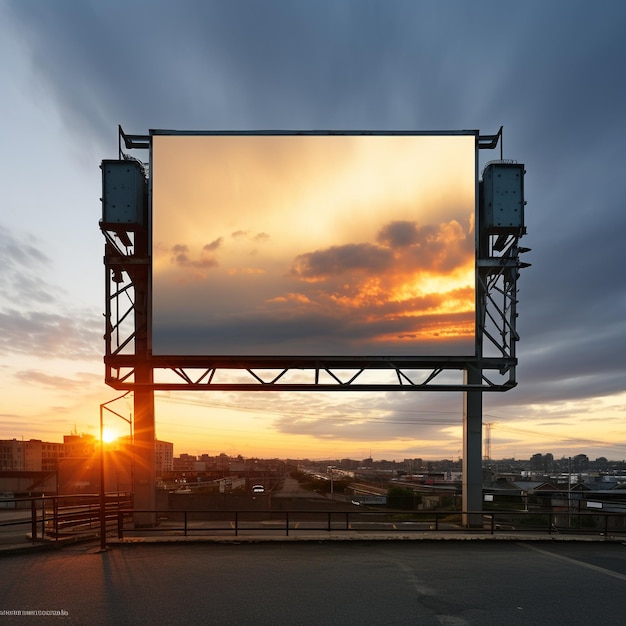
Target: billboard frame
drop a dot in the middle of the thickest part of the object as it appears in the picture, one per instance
(130, 364)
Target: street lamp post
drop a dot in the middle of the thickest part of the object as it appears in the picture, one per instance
(103, 520)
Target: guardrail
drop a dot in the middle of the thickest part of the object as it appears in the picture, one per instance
(235, 522)
(56, 517)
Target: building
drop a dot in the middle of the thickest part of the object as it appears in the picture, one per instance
(51, 455)
(80, 446)
(21, 456)
(184, 463)
(164, 457)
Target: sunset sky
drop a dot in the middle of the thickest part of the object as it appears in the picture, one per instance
(548, 72)
(316, 245)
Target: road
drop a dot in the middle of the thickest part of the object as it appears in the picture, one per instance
(430, 582)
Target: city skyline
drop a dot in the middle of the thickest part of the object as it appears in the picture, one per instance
(88, 444)
(74, 71)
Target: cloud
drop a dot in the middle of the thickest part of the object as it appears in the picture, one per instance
(362, 66)
(24, 266)
(340, 260)
(245, 234)
(402, 247)
(33, 316)
(48, 335)
(400, 234)
(214, 245)
(408, 291)
(393, 288)
(57, 383)
(181, 256)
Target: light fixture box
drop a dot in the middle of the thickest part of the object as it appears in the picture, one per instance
(123, 192)
(502, 198)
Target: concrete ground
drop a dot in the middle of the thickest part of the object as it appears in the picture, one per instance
(450, 582)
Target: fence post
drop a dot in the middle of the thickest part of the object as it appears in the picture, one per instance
(33, 520)
(55, 517)
(236, 523)
(286, 523)
(185, 519)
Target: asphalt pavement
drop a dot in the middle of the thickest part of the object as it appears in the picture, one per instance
(341, 582)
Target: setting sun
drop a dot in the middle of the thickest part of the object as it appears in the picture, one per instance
(108, 435)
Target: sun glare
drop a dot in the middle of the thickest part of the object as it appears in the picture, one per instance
(108, 435)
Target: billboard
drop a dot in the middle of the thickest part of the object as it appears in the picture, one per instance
(305, 244)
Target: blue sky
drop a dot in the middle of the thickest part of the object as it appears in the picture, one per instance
(550, 73)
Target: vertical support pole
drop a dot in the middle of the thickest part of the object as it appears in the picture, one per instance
(33, 519)
(102, 497)
(144, 456)
(472, 452)
(145, 434)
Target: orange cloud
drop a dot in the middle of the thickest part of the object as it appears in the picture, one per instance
(423, 275)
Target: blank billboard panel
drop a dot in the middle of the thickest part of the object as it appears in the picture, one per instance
(313, 244)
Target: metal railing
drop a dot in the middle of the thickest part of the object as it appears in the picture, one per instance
(235, 522)
(58, 517)
(53, 518)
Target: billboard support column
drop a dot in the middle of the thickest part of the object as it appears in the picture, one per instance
(145, 462)
(472, 452)
(145, 432)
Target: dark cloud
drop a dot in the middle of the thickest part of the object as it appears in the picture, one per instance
(338, 260)
(50, 335)
(403, 247)
(401, 234)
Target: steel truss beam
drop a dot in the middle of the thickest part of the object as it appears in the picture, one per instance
(313, 373)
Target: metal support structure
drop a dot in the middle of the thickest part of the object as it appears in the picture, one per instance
(211, 373)
(127, 283)
(130, 365)
(472, 455)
